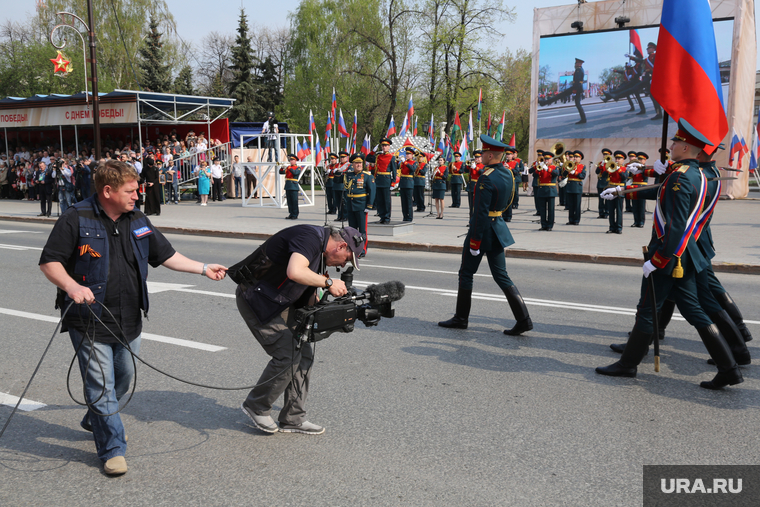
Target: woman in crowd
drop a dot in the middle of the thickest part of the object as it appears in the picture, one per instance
(204, 182)
(439, 186)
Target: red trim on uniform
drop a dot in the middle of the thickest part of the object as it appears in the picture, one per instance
(475, 244)
(659, 261)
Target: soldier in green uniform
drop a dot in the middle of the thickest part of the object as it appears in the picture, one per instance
(516, 166)
(406, 184)
(338, 184)
(579, 76)
(675, 261)
(546, 175)
(385, 176)
(359, 195)
(534, 180)
(616, 177)
(574, 187)
(292, 172)
(329, 192)
(488, 234)
(602, 179)
(475, 170)
(420, 178)
(456, 173)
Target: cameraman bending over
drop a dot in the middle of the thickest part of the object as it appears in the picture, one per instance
(285, 271)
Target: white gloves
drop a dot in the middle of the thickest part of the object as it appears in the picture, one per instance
(610, 193)
(474, 253)
(627, 55)
(635, 168)
(660, 167)
(648, 268)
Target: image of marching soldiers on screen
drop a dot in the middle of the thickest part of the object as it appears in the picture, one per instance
(575, 90)
(638, 75)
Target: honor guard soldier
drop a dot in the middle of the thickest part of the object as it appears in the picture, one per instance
(329, 189)
(406, 185)
(360, 195)
(560, 163)
(616, 175)
(632, 159)
(518, 169)
(488, 234)
(456, 170)
(438, 186)
(546, 193)
(675, 262)
(574, 187)
(640, 175)
(534, 180)
(343, 167)
(385, 176)
(476, 169)
(602, 180)
(515, 165)
(292, 173)
(420, 178)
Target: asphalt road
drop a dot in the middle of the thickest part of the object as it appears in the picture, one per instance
(415, 414)
(604, 120)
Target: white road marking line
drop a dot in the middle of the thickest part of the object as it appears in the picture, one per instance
(146, 336)
(19, 247)
(8, 231)
(26, 405)
(155, 287)
(417, 269)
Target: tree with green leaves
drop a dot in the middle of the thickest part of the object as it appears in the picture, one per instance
(183, 83)
(155, 74)
(268, 86)
(241, 88)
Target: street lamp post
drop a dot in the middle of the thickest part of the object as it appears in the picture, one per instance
(93, 64)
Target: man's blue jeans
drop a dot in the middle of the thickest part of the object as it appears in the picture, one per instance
(107, 371)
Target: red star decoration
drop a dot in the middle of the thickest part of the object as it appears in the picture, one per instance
(61, 64)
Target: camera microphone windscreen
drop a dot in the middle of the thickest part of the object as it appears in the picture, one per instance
(385, 292)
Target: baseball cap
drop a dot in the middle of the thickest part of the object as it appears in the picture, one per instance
(355, 242)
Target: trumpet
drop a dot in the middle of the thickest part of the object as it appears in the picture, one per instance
(569, 166)
(612, 167)
(608, 160)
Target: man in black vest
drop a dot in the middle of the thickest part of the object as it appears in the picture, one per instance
(98, 255)
(285, 274)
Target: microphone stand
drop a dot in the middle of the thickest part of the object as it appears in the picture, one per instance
(588, 192)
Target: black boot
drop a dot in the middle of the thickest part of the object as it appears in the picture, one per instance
(728, 371)
(635, 350)
(519, 310)
(464, 302)
(733, 337)
(729, 305)
(620, 347)
(664, 316)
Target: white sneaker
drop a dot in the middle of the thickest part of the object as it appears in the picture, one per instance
(305, 427)
(263, 422)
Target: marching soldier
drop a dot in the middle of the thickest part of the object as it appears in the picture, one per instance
(576, 89)
(456, 170)
(418, 197)
(292, 172)
(476, 169)
(546, 175)
(616, 177)
(488, 234)
(342, 168)
(329, 189)
(574, 188)
(602, 181)
(406, 185)
(360, 194)
(385, 175)
(438, 186)
(675, 262)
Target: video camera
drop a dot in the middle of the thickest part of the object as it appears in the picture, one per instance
(317, 322)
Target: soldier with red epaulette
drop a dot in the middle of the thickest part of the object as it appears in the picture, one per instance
(601, 181)
(292, 172)
(385, 175)
(406, 184)
(515, 165)
(640, 176)
(616, 176)
(546, 193)
(476, 169)
(456, 170)
(574, 186)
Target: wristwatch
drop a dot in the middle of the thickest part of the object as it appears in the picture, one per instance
(328, 283)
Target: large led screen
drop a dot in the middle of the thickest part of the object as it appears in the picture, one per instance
(615, 98)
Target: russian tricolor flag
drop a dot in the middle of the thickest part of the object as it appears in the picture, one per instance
(318, 149)
(312, 123)
(404, 127)
(686, 77)
(328, 127)
(753, 156)
(365, 145)
(342, 125)
(738, 147)
(410, 113)
(334, 105)
(391, 128)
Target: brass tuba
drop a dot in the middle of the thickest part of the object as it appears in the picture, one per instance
(569, 165)
(612, 167)
(559, 149)
(608, 160)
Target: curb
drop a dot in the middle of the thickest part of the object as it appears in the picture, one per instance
(720, 267)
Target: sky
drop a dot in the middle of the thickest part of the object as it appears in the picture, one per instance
(195, 19)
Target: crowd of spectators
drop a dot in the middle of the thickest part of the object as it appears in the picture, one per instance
(32, 174)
